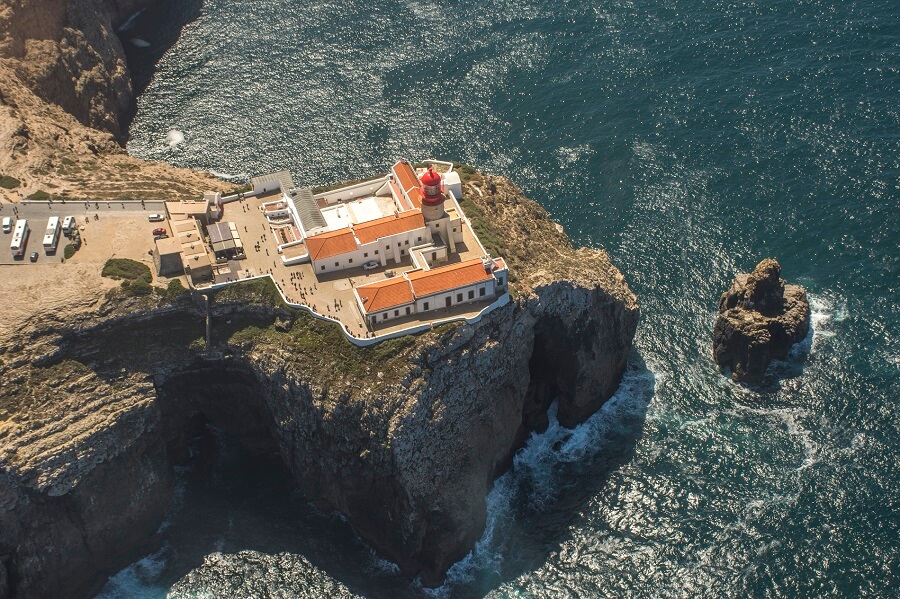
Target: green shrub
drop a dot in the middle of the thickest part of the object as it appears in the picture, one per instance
(128, 270)
(9, 182)
(140, 287)
(40, 196)
(174, 290)
(69, 250)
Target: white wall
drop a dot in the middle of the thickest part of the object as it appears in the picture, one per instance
(439, 300)
(350, 192)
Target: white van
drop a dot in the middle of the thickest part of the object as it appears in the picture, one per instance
(7, 224)
(155, 218)
(68, 223)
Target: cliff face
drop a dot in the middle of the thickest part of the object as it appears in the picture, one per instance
(64, 90)
(404, 438)
(67, 52)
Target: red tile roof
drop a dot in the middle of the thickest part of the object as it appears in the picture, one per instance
(385, 294)
(408, 181)
(330, 244)
(368, 232)
(445, 278)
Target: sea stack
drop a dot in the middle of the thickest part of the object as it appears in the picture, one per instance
(760, 318)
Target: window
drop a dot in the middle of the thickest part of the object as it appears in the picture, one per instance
(323, 267)
(337, 263)
(425, 306)
(376, 252)
(454, 229)
(471, 294)
(418, 239)
(384, 316)
(387, 247)
(458, 297)
(480, 291)
(406, 242)
(396, 312)
(399, 244)
(402, 252)
(500, 281)
(366, 254)
(350, 261)
(407, 310)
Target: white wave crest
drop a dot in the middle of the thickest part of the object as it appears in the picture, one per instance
(534, 476)
(139, 580)
(129, 22)
(174, 137)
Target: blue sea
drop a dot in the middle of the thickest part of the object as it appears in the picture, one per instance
(689, 139)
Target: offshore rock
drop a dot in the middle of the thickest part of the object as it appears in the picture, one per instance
(760, 318)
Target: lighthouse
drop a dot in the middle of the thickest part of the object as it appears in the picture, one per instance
(432, 193)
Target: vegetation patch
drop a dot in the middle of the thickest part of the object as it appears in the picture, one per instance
(242, 189)
(126, 269)
(260, 292)
(8, 182)
(39, 196)
(174, 290)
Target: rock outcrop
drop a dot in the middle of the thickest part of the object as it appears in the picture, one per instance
(760, 318)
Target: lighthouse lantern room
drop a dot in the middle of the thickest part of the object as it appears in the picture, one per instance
(432, 193)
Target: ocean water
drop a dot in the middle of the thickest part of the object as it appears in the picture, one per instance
(689, 139)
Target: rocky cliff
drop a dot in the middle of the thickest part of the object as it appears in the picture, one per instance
(760, 318)
(64, 91)
(404, 438)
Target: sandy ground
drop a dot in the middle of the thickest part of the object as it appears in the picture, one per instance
(30, 290)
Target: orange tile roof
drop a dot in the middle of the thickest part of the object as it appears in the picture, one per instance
(408, 181)
(368, 232)
(405, 176)
(385, 294)
(445, 278)
(332, 243)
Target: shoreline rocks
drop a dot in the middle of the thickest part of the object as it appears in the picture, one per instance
(760, 318)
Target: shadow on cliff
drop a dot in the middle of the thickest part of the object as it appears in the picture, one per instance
(148, 37)
(552, 485)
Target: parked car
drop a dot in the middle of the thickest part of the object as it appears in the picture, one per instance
(7, 224)
(33, 256)
(158, 237)
(159, 231)
(370, 265)
(157, 218)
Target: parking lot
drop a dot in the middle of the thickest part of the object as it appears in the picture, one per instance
(113, 229)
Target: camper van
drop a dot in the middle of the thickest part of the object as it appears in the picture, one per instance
(7, 224)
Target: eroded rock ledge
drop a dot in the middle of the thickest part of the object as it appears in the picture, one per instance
(760, 318)
(404, 438)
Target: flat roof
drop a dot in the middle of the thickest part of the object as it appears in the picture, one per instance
(219, 232)
(283, 178)
(445, 278)
(330, 244)
(385, 294)
(167, 246)
(389, 225)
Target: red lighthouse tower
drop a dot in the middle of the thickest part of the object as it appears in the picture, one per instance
(432, 192)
